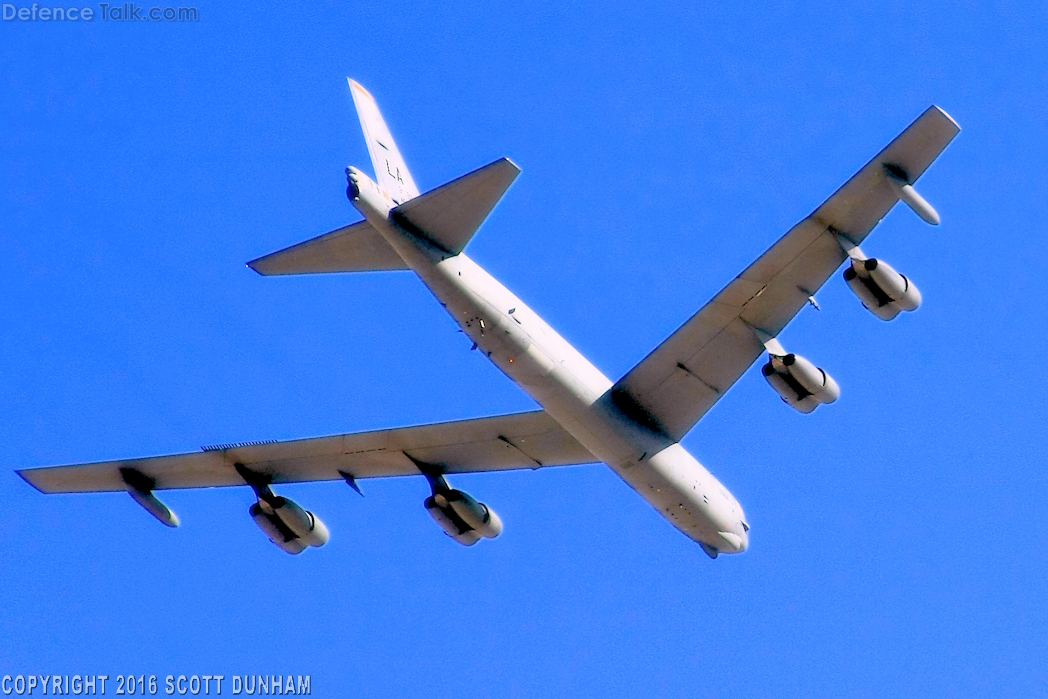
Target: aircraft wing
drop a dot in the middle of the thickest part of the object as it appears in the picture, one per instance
(522, 440)
(687, 374)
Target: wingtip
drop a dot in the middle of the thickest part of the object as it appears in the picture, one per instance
(254, 266)
(943, 112)
(21, 474)
(513, 164)
(357, 87)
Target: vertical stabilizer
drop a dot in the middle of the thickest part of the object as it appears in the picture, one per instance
(390, 171)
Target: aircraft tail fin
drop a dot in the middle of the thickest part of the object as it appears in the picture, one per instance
(450, 215)
(391, 173)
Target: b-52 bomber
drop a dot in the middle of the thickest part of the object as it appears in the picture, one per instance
(634, 425)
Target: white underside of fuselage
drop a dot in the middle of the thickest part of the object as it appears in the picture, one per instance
(567, 386)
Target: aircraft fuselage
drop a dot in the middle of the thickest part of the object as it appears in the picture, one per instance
(574, 392)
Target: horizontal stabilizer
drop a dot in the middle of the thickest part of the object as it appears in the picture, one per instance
(451, 214)
(355, 248)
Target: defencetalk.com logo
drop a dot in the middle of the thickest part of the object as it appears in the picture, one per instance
(107, 12)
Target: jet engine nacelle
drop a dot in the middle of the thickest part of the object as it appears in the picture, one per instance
(801, 384)
(477, 515)
(289, 526)
(462, 518)
(304, 524)
(457, 530)
(270, 526)
(882, 290)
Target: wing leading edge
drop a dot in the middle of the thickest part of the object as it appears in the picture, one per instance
(522, 440)
(687, 374)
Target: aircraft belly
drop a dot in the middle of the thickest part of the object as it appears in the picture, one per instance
(481, 306)
(658, 469)
(569, 388)
(687, 495)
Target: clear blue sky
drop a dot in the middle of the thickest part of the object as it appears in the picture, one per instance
(898, 542)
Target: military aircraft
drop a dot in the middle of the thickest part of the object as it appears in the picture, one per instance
(634, 424)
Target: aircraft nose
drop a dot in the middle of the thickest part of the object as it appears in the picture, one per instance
(737, 540)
